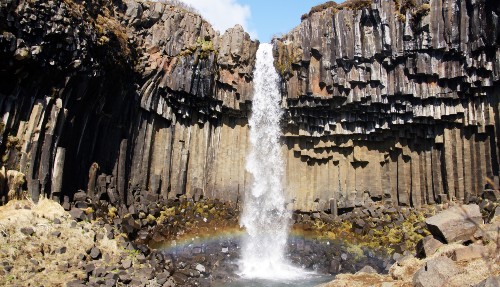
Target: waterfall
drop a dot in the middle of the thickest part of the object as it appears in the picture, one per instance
(265, 216)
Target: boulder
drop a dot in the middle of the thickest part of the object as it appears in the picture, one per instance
(79, 196)
(492, 195)
(180, 278)
(427, 246)
(77, 213)
(435, 273)
(495, 215)
(469, 252)
(334, 266)
(22, 54)
(455, 224)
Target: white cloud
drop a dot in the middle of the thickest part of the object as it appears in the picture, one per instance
(224, 14)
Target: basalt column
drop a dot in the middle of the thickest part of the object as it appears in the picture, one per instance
(391, 100)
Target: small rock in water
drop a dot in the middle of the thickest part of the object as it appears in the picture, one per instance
(334, 266)
(343, 256)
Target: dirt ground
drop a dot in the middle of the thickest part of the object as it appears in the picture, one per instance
(54, 253)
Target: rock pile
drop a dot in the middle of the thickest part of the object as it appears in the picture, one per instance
(469, 259)
(377, 227)
(42, 244)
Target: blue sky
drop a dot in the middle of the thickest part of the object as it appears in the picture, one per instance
(261, 18)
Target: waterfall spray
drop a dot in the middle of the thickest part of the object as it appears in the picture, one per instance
(265, 216)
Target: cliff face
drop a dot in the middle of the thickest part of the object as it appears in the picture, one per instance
(393, 100)
(122, 100)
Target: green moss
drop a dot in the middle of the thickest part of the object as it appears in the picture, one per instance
(150, 218)
(112, 212)
(401, 17)
(408, 4)
(355, 250)
(13, 142)
(88, 210)
(421, 12)
(284, 59)
(203, 46)
(402, 8)
(383, 237)
(103, 40)
(319, 224)
(166, 213)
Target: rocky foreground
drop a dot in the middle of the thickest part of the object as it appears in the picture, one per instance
(44, 245)
(462, 251)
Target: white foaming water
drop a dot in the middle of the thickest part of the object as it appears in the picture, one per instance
(265, 216)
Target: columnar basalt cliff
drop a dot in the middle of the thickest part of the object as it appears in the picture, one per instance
(122, 100)
(391, 100)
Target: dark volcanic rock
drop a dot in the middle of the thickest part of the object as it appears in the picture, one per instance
(381, 101)
(130, 102)
(95, 253)
(77, 213)
(27, 231)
